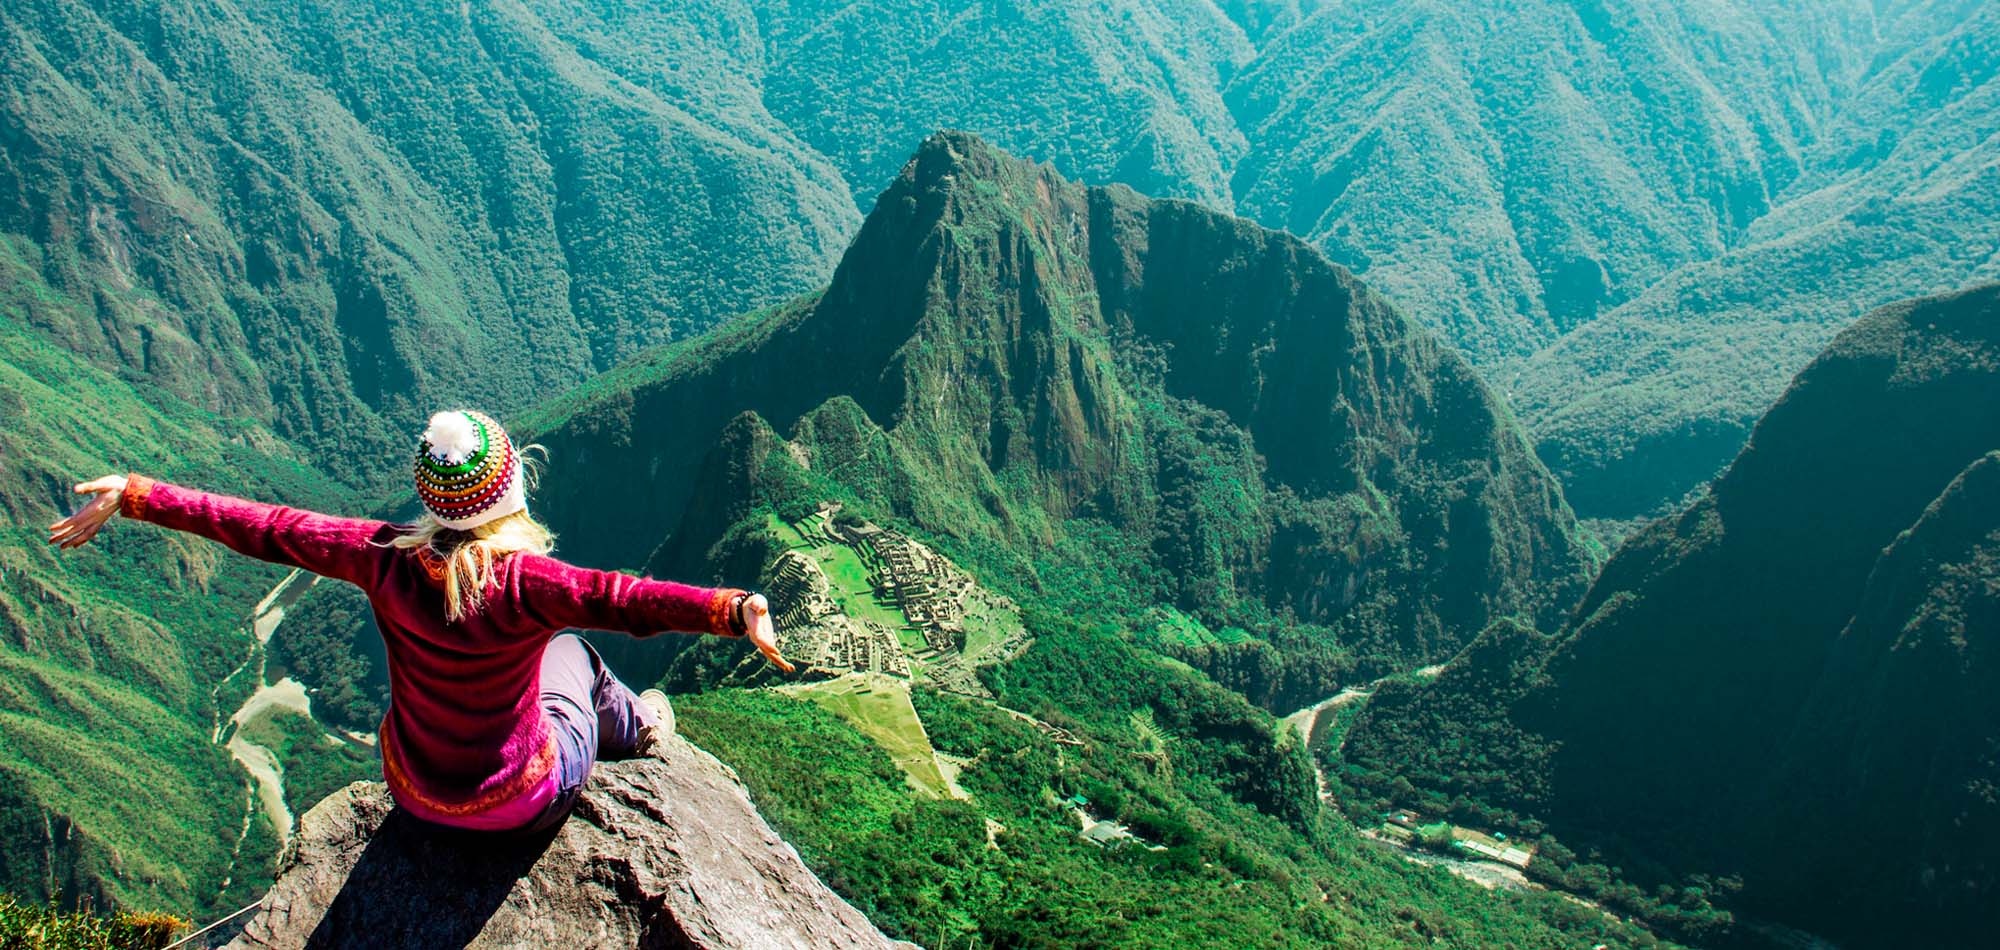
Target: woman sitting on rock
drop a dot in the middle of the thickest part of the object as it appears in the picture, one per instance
(493, 720)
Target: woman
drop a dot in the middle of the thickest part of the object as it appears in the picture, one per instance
(493, 720)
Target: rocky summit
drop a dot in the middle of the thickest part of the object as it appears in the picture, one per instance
(660, 852)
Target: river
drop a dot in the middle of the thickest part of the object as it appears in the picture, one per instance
(262, 763)
(1306, 721)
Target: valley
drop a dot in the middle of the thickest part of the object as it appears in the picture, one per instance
(260, 735)
(286, 694)
(1176, 441)
(1060, 563)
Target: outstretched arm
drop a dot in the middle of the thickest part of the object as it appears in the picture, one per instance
(340, 548)
(563, 595)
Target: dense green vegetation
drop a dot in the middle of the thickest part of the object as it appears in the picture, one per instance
(923, 869)
(1793, 671)
(1447, 747)
(1895, 195)
(1512, 174)
(249, 245)
(1159, 403)
(333, 217)
(32, 927)
(329, 641)
(1137, 86)
(110, 788)
(314, 763)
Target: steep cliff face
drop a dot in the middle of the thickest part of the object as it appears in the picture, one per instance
(1703, 638)
(1794, 671)
(660, 852)
(1899, 745)
(1711, 650)
(1002, 352)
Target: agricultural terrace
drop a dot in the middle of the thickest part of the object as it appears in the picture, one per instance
(879, 707)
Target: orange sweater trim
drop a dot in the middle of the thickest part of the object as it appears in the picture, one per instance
(132, 503)
(722, 618)
(532, 773)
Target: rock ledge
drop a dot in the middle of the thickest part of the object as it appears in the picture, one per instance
(660, 852)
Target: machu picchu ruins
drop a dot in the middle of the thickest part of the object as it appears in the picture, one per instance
(915, 578)
(819, 633)
(897, 606)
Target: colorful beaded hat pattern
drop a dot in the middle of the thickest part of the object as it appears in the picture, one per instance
(467, 471)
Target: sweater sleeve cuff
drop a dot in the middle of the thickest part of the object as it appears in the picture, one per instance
(725, 614)
(138, 492)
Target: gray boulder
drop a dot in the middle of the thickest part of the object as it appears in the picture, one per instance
(659, 852)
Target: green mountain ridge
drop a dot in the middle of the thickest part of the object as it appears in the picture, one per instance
(1787, 673)
(332, 219)
(1573, 155)
(1001, 353)
(1101, 406)
(1895, 199)
(328, 218)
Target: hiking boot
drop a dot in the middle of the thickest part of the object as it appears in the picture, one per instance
(651, 736)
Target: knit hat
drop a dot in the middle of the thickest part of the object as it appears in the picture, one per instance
(467, 471)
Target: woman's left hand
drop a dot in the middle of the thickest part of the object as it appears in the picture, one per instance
(757, 620)
(77, 529)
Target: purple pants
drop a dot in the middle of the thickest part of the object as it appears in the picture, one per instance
(591, 714)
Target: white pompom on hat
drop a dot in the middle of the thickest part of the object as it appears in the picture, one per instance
(467, 470)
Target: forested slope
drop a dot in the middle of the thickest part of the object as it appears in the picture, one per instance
(1118, 413)
(1787, 673)
(250, 245)
(1897, 196)
(1003, 354)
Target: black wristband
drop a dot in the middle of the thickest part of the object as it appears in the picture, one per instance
(737, 625)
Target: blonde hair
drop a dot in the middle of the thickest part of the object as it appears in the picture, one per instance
(469, 559)
(467, 562)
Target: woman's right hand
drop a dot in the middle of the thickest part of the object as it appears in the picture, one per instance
(77, 529)
(763, 636)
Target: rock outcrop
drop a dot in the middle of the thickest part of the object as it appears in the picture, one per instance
(659, 852)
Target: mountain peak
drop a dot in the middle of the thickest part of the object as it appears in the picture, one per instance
(953, 153)
(952, 173)
(1025, 350)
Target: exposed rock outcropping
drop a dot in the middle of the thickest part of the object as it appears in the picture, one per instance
(659, 852)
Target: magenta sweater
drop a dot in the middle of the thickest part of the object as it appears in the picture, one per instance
(464, 741)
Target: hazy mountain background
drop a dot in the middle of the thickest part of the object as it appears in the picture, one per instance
(251, 245)
(1725, 183)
